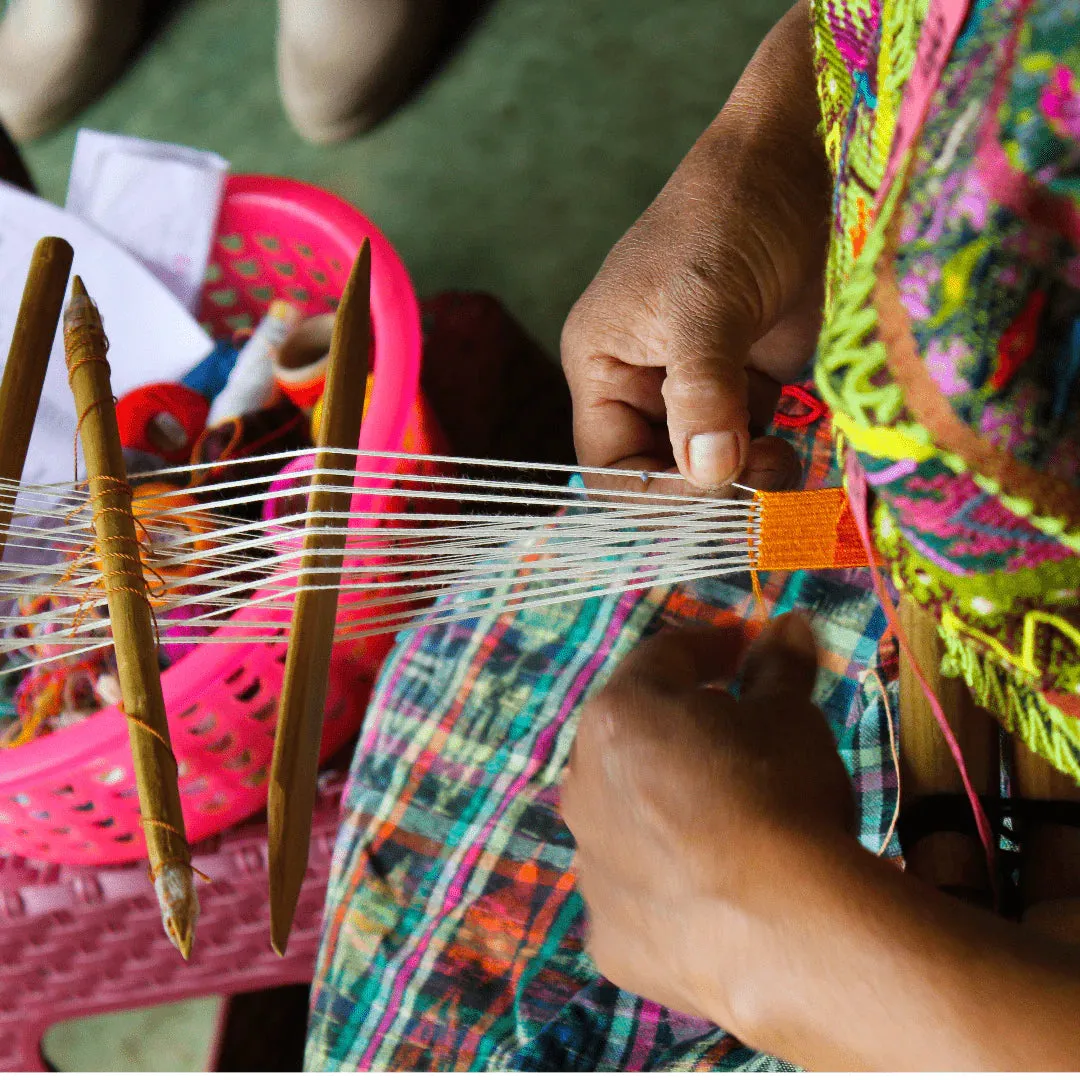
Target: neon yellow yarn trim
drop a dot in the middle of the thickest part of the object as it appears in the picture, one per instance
(859, 120)
(951, 624)
(1043, 727)
(901, 25)
(986, 599)
(892, 443)
(847, 363)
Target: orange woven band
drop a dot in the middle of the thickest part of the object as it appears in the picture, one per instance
(806, 530)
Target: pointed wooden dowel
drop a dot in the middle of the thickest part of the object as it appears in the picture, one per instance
(131, 620)
(294, 771)
(27, 362)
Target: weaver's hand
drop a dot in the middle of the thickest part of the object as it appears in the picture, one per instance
(716, 857)
(686, 805)
(712, 300)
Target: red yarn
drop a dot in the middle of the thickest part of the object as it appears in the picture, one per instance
(816, 409)
(179, 411)
(1018, 342)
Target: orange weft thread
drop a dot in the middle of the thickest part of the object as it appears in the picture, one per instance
(806, 530)
(759, 596)
(154, 872)
(150, 731)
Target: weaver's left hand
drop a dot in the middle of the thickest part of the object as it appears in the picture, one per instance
(691, 811)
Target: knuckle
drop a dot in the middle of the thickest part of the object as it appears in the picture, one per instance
(574, 334)
(598, 713)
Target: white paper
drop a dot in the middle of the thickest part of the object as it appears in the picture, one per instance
(157, 200)
(152, 338)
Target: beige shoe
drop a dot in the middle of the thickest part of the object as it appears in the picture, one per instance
(56, 56)
(344, 64)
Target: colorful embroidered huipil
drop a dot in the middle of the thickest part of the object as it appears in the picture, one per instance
(951, 352)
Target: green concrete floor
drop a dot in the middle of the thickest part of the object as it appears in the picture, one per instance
(517, 166)
(513, 171)
(167, 1038)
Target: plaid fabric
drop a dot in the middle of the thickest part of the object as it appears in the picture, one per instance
(453, 934)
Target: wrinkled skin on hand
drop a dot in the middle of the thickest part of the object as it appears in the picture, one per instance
(686, 803)
(676, 352)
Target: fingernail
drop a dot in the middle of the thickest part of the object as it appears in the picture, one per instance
(715, 458)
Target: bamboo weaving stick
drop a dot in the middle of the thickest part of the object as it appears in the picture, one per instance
(28, 359)
(132, 621)
(1050, 870)
(294, 769)
(948, 859)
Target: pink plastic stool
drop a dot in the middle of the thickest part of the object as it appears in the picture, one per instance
(86, 940)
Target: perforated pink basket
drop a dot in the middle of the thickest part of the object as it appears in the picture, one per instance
(70, 797)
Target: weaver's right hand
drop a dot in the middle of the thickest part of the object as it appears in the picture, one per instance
(712, 300)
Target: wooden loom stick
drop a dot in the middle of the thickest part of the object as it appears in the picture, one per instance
(132, 621)
(950, 860)
(28, 360)
(1050, 867)
(295, 765)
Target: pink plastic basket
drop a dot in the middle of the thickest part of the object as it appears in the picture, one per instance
(70, 797)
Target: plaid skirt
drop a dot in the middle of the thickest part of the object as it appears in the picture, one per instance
(453, 931)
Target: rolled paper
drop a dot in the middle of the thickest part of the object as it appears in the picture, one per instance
(251, 384)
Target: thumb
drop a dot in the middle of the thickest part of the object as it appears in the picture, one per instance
(706, 400)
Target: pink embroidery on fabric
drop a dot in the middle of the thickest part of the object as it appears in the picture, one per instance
(939, 34)
(892, 473)
(944, 364)
(915, 292)
(1004, 424)
(973, 204)
(935, 557)
(921, 276)
(956, 509)
(1060, 103)
(963, 199)
(1009, 186)
(855, 43)
(1038, 555)
(946, 207)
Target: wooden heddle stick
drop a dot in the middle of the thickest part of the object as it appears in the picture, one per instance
(294, 770)
(950, 857)
(954, 860)
(131, 619)
(27, 362)
(1050, 863)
